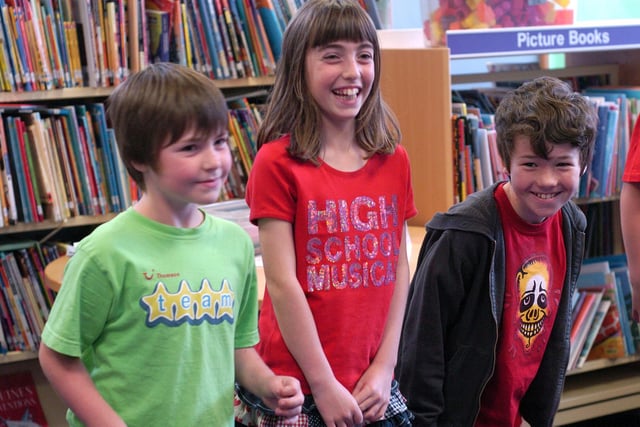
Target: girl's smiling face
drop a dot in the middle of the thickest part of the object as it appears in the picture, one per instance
(339, 77)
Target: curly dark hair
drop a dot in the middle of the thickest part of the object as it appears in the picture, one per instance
(549, 112)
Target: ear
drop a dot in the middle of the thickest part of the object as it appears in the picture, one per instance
(140, 167)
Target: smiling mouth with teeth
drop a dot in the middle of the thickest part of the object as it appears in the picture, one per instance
(546, 195)
(347, 92)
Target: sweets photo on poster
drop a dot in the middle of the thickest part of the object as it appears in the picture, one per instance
(442, 15)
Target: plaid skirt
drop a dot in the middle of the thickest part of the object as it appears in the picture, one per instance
(250, 411)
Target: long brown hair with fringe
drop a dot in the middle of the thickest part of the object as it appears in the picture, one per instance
(292, 110)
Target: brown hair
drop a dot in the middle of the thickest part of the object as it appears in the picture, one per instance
(292, 110)
(154, 107)
(549, 112)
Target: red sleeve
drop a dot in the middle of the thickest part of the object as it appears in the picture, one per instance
(270, 189)
(632, 166)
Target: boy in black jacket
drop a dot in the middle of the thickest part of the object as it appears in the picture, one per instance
(485, 340)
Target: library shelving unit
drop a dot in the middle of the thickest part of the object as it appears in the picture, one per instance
(604, 386)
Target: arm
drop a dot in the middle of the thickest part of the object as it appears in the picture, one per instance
(72, 382)
(373, 389)
(280, 393)
(335, 403)
(630, 222)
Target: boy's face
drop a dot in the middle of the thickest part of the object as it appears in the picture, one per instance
(539, 187)
(192, 170)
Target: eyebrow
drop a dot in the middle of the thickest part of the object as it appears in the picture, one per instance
(338, 44)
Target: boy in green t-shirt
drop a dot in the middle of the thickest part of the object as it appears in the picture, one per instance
(157, 314)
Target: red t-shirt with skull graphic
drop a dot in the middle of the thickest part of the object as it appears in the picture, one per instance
(535, 273)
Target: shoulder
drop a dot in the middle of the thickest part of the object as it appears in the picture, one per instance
(399, 155)
(102, 235)
(478, 213)
(574, 215)
(274, 149)
(230, 231)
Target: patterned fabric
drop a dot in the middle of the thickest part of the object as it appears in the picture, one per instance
(250, 411)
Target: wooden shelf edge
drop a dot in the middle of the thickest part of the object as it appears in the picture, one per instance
(601, 385)
(591, 70)
(76, 221)
(596, 410)
(103, 92)
(598, 364)
(17, 356)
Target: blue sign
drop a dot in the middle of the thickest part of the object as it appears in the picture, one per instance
(549, 39)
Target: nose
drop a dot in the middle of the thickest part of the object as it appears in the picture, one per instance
(214, 157)
(547, 177)
(351, 69)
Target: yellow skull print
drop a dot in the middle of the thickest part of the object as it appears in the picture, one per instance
(533, 285)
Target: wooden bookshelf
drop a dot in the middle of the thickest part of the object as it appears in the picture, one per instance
(600, 392)
(229, 86)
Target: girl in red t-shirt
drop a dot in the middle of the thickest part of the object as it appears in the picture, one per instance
(330, 191)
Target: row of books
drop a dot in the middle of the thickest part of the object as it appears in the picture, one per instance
(617, 109)
(475, 155)
(603, 326)
(25, 302)
(59, 163)
(603, 234)
(63, 162)
(245, 118)
(50, 44)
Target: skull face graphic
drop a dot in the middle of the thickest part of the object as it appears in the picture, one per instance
(533, 285)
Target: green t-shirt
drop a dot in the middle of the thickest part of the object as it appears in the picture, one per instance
(156, 312)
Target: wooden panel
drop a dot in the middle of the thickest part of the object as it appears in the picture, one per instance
(416, 85)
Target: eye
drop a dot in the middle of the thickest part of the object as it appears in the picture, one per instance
(331, 56)
(366, 56)
(565, 165)
(188, 147)
(220, 143)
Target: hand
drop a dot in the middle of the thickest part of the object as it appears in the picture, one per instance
(336, 405)
(373, 391)
(285, 397)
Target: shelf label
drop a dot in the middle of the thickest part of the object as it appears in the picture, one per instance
(545, 39)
